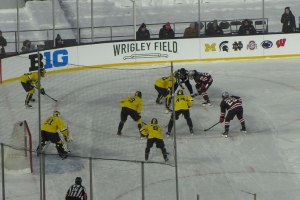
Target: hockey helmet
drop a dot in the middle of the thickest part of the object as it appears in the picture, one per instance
(225, 95)
(191, 74)
(78, 180)
(56, 114)
(154, 121)
(180, 92)
(182, 71)
(138, 93)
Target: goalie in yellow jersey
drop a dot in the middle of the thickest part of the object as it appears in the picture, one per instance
(49, 133)
(164, 86)
(154, 135)
(29, 82)
(182, 104)
(131, 106)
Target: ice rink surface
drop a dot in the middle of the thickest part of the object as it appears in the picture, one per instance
(264, 161)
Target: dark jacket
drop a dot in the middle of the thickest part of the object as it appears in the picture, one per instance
(142, 34)
(190, 32)
(288, 23)
(247, 28)
(3, 43)
(211, 31)
(166, 33)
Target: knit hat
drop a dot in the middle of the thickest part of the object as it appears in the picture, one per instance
(168, 25)
(143, 25)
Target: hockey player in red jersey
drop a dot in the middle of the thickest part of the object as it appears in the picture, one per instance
(203, 82)
(233, 105)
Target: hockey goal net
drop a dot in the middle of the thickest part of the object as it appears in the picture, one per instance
(18, 154)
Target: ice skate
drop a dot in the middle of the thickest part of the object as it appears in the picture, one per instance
(206, 103)
(191, 131)
(225, 134)
(243, 130)
(28, 106)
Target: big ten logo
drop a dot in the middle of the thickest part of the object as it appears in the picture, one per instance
(210, 47)
(48, 59)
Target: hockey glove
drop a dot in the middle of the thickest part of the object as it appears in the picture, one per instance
(221, 119)
(43, 91)
(68, 139)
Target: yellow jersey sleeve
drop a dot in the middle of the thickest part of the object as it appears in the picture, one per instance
(132, 102)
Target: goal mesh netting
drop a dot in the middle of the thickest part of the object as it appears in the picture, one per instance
(18, 155)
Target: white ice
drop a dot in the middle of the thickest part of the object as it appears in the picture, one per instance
(264, 161)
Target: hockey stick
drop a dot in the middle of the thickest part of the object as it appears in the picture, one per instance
(212, 126)
(50, 97)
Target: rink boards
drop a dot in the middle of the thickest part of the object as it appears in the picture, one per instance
(154, 52)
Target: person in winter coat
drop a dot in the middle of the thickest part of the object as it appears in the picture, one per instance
(213, 29)
(143, 33)
(166, 32)
(247, 28)
(3, 43)
(192, 31)
(288, 21)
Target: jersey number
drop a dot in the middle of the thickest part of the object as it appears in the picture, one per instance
(131, 100)
(49, 121)
(230, 101)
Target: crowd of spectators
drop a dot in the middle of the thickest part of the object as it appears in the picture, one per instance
(212, 29)
(215, 29)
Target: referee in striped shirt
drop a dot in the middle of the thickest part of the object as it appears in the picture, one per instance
(76, 191)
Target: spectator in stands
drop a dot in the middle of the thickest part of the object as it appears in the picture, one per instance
(166, 32)
(143, 33)
(288, 21)
(26, 46)
(192, 31)
(247, 28)
(213, 29)
(3, 43)
(59, 43)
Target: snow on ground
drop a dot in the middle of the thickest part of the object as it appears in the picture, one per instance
(264, 161)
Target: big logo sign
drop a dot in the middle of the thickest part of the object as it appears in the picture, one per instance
(48, 59)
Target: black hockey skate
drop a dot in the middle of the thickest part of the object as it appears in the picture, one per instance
(191, 131)
(206, 103)
(243, 130)
(225, 134)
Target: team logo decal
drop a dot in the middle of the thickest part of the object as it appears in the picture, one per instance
(252, 45)
(210, 47)
(281, 42)
(267, 44)
(223, 46)
(237, 46)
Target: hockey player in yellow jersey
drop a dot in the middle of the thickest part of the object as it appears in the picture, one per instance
(154, 134)
(164, 86)
(131, 106)
(29, 82)
(49, 132)
(182, 104)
